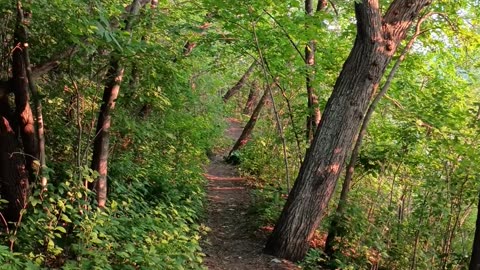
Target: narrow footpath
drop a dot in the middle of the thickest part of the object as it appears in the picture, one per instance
(232, 243)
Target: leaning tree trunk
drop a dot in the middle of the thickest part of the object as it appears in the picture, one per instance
(232, 91)
(252, 99)
(333, 229)
(247, 130)
(376, 42)
(102, 135)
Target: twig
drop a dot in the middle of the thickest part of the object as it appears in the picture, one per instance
(286, 34)
(277, 118)
(334, 7)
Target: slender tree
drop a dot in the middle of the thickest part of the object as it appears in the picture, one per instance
(252, 98)
(313, 117)
(110, 95)
(247, 130)
(23, 110)
(375, 43)
(232, 91)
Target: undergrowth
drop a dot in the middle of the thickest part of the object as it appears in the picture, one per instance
(153, 214)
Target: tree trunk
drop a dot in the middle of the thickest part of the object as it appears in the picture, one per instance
(252, 99)
(14, 184)
(376, 41)
(102, 135)
(39, 130)
(232, 91)
(101, 142)
(20, 89)
(247, 130)
(332, 232)
(310, 62)
(313, 117)
(475, 259)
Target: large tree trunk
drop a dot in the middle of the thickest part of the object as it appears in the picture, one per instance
(247, 130)
(14, 184)
(110, 95)
(376, 41)
(333, 229)
(232, 91)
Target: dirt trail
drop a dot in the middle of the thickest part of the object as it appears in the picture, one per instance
(231, 244)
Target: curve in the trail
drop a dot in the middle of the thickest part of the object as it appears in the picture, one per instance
(232, 243)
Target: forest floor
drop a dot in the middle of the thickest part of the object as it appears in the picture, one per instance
(233, 242)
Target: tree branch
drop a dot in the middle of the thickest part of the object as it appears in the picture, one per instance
(286, 34)
(54, 62)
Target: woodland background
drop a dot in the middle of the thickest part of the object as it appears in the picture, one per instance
(143, 85)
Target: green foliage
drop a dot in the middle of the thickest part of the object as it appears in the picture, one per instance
(416, 182)
(167, 117)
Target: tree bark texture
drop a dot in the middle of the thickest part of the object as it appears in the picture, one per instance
(375, 43)
(14, 184)
(247, 130)
(252, 98)
(110, 94)
(20, 89)
(232, 91)
(39, 130)
(332, 232)
(101, 142)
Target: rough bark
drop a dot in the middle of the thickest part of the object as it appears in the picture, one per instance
(101, 142)
(247, 130)
(39, 130)
(252, 99)
(332, 232)
(232, 91)
(110, 95)
(14, 184)
(375, 43)
(20, 89)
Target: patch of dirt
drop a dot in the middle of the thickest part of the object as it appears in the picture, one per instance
(232, 244)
